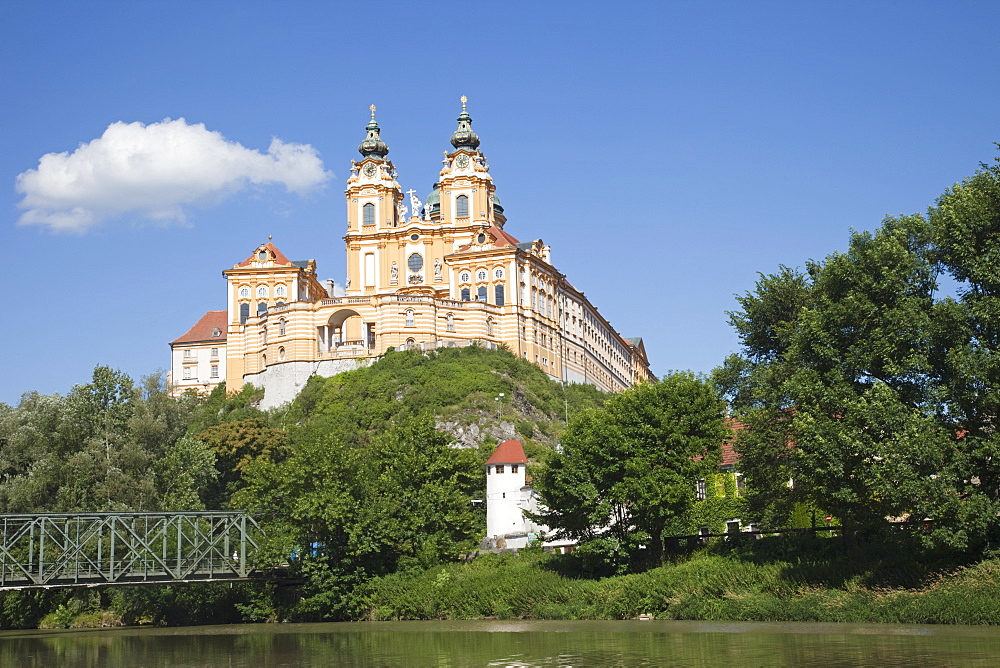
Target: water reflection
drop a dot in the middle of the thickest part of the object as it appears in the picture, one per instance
(497, 643)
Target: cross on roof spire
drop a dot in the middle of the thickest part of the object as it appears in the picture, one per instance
(373, 111)
(464, 100)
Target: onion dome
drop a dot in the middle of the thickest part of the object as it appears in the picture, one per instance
(464, 137)
(373, 146)
(496, 204)
(433, 201)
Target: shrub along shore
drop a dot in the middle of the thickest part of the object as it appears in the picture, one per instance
(786, 579)
(777, 582)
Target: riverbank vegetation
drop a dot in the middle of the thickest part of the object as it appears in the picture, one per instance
(797, 578)
(862, 390)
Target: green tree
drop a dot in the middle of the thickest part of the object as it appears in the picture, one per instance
(351, 511)
(880, 401)
(629, 468)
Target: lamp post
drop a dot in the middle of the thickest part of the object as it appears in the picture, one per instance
(499, 400)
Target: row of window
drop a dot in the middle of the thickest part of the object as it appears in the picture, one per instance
(466, 277)
(261, 310)
(498, 294)
(450, 322)
(188, 353)
(262, 290)
(461, 210)
(189, 372)
(499, 468)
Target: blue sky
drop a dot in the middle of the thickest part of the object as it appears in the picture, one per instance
(668, 151)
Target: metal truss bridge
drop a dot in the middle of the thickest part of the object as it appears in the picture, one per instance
(98, 549)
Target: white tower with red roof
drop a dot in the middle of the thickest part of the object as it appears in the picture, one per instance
(507, 496)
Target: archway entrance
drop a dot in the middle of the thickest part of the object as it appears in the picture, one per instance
(345, 330)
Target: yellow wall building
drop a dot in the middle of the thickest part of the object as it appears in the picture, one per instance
(443, 272)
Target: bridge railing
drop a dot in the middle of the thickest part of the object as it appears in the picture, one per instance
(52, 549)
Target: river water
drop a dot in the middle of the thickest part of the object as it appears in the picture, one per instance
(515, 643)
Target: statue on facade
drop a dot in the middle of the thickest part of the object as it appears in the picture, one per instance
(401, 212)
(394, 273)
(437, 269)
(347, 283)
(414, 202)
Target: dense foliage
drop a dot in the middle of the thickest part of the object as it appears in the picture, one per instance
(871, 388)
(356, 478)
(625, 471)
(791, 578)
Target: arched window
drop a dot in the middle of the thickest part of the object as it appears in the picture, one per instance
(481, 294)
(263, 335)
(261, 308)
(244, 312)
(498, 295)
(465, 295)
(368, 215)
(481, 275)
(463, 277)
(245, 293)
(409, 317)
(451, 323)
(410, 343)
(280, 291)
(261, 290)
(498, 274)
(281, 327)
(462, 206)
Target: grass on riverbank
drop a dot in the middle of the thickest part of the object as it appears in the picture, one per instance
(827, 583)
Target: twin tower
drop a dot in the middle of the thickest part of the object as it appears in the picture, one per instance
(439, 273)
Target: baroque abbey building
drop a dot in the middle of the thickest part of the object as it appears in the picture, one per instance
(444, 272)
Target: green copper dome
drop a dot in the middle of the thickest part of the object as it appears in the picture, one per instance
(464, 137)
(433, 201)
(373, 146)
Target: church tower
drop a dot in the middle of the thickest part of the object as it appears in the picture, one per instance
(374, 208)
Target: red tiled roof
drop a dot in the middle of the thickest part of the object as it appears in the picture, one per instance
(503, 239)
(729, 454)
(202, 330)
(279, 257)
(508, 452)
(500, 239)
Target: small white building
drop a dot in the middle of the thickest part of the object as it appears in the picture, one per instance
(508, 497)
(198, 358)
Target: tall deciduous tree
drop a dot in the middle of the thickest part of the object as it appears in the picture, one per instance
(349, 511)
(626, 469)
(878, 397)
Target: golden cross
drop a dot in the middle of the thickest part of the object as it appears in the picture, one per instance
(464, 100)
(373, 111)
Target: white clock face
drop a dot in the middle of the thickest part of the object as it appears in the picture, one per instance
(370, 170)
(462, 161)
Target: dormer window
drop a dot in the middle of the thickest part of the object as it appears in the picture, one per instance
(262, 255)
(462, 206)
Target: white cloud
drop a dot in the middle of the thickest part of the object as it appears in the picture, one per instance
(154, 171)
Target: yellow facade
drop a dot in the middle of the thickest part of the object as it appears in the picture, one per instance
(419, 274)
